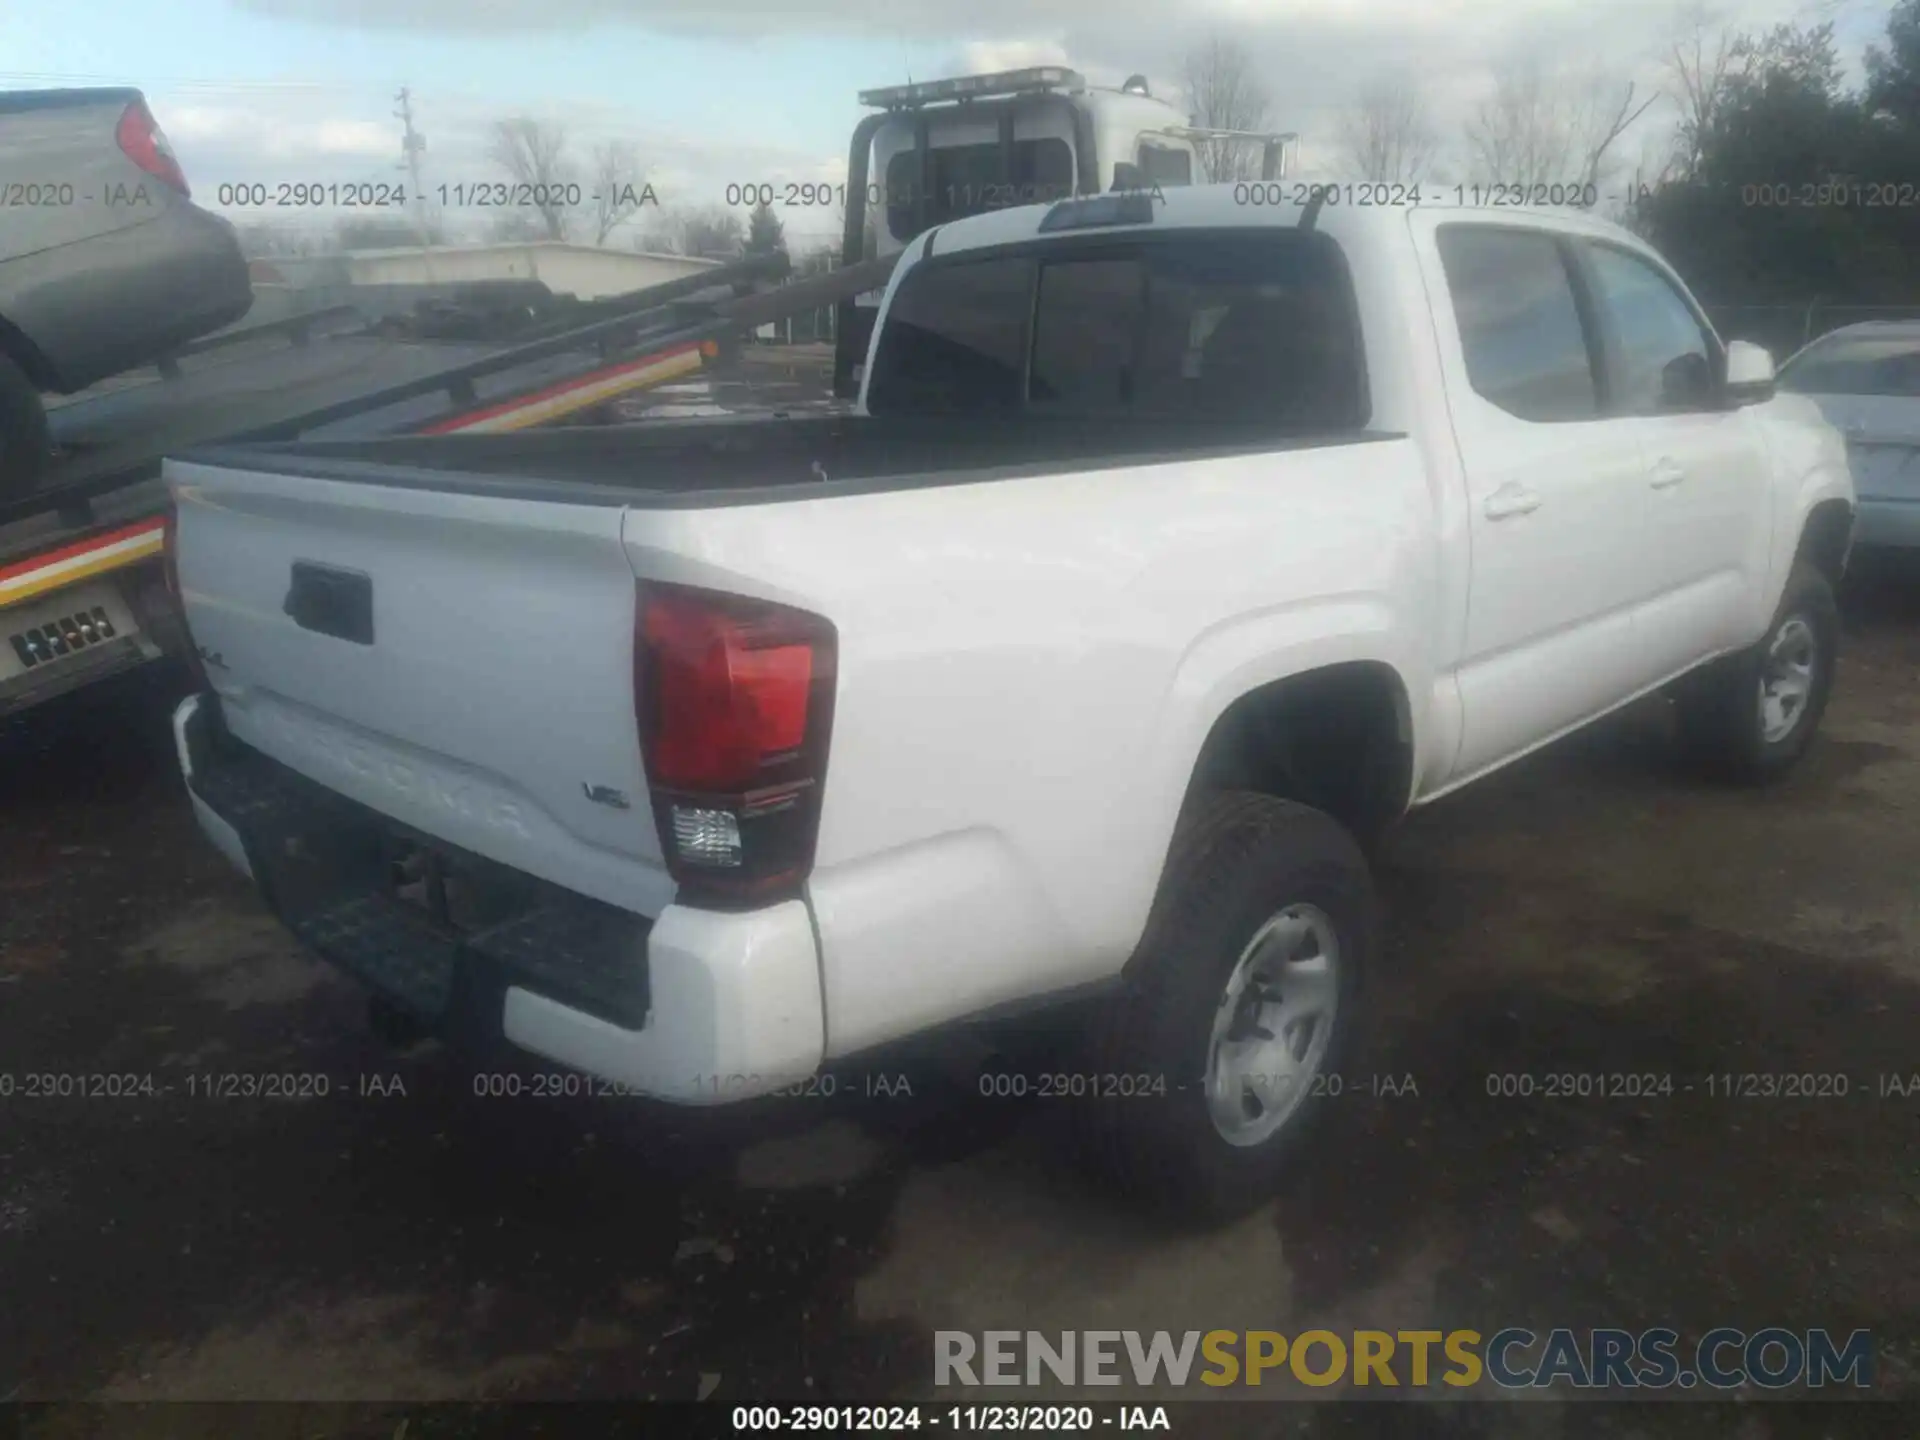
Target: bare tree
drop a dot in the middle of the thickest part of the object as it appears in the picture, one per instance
(1539, 128)
(1600, 125)
(710, 233)
(535, 155)
(260, 239)
(378, 233)
(1518, 134)
(715, 234)
(819, 260)
(618, 183)
(1224, 94)
(1702, 67)
(518, 226)
(1387, 133)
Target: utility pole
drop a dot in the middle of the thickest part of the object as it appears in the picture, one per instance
(412, 143)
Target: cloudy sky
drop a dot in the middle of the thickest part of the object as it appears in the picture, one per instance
(719, 91)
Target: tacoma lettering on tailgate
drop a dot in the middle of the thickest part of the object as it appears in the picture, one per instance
(409, 779)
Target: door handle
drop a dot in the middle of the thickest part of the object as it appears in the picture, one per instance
(1666, 473)
(1511, 500)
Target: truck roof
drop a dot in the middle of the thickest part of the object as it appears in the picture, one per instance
(1228, 205)
(15, 101)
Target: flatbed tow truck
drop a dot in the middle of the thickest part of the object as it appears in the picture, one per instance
(82, 591)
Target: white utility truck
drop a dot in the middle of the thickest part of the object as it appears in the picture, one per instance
(946, 149)
(1178, 547)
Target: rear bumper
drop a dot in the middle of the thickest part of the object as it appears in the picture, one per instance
(695, 1007)
(125, 298)
(1887, 524)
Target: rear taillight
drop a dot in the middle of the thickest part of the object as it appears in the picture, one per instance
(735, 702)
(143, 142)
(170, 561)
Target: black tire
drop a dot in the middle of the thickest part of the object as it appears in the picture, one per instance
(1722, 728)
(1238, 860)
(24, 441)
(394, 1026)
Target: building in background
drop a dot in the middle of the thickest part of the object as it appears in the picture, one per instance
(387, 281)
(586, 272)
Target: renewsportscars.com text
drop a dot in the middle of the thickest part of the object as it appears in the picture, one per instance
(1774, 1358)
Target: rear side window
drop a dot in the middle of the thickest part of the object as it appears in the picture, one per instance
(1247, 327)
(955, 341)
(1253, 327)
(1857, 366)
(1085, 324)
(1526, 350)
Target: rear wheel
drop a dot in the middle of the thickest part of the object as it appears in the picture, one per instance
(394, 1026)
(1751, 716)
(24, 441)
(1240, 1008)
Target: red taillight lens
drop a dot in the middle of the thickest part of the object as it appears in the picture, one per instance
(143, 142)
(734, 698)
(727, 695)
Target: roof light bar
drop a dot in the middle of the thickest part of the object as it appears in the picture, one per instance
(974, 87)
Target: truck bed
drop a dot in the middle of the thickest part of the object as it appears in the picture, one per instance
(743, 461)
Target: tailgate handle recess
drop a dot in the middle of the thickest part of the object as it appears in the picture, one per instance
(331, 601)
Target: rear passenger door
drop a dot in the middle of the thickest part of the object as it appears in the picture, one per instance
(1708, 520)
(1557, 491)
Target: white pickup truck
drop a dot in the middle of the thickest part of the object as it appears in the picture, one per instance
(1179, 546)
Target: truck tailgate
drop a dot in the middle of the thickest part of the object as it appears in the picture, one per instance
(461, 663)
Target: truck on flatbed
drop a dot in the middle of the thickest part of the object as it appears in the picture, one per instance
(1177, 549)
(105, 261)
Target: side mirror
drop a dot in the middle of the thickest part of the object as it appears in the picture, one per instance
(1126, 176)
(1686, 383)
(1749, 374)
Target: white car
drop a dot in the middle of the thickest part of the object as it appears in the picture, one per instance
(1866, 380)
(1181, 545)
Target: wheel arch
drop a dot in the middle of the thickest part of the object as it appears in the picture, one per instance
(1339, 737)
(15, 345)
(1826, 535)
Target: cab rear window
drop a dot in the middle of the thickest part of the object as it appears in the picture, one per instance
(1240, 326)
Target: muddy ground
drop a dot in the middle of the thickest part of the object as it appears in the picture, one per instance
(402, 1238)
